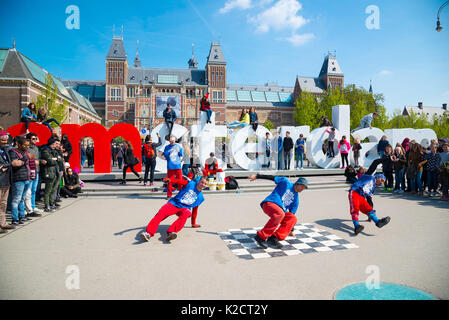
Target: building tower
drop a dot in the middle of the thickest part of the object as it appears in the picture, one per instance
(116, 75)
(331, 74)
(216, 81)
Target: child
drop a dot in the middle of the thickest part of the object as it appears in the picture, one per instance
(344, 148)
(330, 142)
(361, 172)
(281, 206)
(356, 147)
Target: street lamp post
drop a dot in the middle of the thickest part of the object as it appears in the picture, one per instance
(439, 27)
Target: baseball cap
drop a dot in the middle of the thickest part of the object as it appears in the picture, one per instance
(380, 176)
(302, 181)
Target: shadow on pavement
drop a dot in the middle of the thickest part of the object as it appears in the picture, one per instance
(162, 230)
(420, 200)
(341, 225)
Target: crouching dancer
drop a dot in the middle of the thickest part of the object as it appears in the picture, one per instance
(359, 197)
(281, 206)
(191, 196)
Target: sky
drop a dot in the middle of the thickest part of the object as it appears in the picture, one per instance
(391, 43)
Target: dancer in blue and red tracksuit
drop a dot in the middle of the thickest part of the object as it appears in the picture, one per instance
(191, 196)
(359, 197)
(281, 206)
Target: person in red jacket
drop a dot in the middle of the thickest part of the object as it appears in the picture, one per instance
(205, 106)
(211, 166)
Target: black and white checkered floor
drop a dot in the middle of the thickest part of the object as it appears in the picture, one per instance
(307, 239)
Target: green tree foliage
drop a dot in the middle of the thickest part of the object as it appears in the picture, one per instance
(49, 99)
(309, 109)
(269, 125)
(306, 111)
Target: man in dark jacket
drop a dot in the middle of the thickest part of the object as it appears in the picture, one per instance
(149, 151)
(170, 118)
(5, 180)
(49, 173)
(288, 147)
(20, 179)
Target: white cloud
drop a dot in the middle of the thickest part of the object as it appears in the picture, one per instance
(235, 4)
(299, 39)
(385, 73)
(282, 15)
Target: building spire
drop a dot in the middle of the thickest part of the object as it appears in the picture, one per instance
(137, 62)
(193, 64)
(13, 43)
(370, 87)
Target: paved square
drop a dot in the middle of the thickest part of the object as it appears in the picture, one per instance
(307, 239)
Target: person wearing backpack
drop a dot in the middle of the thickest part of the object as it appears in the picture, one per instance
(344, 148)
(21, 179)
(149, 151)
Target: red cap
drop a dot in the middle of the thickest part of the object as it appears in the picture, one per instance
(206, 95)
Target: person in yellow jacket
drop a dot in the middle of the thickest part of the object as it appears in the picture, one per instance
(244, 120)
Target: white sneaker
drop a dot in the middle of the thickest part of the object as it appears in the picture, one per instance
(145, 236)
(37, 210)
(302, 168)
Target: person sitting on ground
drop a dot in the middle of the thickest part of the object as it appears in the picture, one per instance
(350, 174)
(205, 106)
(43, 118)
(71, 184)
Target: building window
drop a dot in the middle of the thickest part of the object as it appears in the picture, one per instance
(116, 94)
(217, 96)
(115, 113)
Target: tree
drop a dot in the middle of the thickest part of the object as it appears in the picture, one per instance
(49, 99)
(306, 111)
(269, 125)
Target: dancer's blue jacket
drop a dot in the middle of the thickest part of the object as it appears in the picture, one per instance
(365, 185)
(189, 197)
(284, 195)
(173, 157)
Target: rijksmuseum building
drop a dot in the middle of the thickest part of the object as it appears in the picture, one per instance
(138, 95)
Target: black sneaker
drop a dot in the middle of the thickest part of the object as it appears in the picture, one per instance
(48, 209)
(15, 222)
(383, 222)
(171, 236)
(26, 218)
(20, 222)
(58, 200)
(358, 229)
(34, 214)
(274, 242)
(57, 205)
(260, 241)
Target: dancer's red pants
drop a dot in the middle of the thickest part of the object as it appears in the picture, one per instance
(280, 220)
(358, 203)
(168, 210)
(173, 174)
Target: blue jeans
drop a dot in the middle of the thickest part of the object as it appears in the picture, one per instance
(432, 180)
(208, 113)
(237, 124)
(19, 191)
(299, 156)
(33, 187)
(399, 179)
(416, 182)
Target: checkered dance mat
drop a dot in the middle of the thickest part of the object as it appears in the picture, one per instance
(307, 239)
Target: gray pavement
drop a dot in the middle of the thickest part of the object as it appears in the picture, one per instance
(100, 237)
